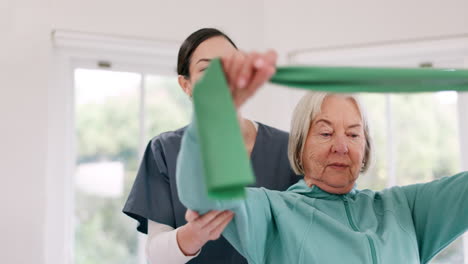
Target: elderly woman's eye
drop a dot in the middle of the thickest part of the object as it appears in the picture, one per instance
(354, 135)
(325, 134)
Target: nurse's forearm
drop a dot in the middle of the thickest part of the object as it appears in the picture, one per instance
(162, 245)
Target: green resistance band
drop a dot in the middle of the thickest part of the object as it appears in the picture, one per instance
(225, 159)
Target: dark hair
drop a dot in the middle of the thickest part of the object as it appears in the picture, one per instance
(191, 43)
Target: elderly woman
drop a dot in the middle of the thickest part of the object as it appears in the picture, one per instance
(324, 218)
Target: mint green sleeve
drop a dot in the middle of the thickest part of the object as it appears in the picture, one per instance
(190, 179)
(439, 211)
(251, 229)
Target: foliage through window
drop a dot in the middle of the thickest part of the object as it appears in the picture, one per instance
(108, 134)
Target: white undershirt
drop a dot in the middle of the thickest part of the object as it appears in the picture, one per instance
(161, 244)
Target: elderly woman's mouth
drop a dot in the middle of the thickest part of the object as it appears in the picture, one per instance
(338, 166)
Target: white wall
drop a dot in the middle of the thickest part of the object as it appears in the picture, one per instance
(26, 69)
(24, 63)
(304, 24)
(299, 24)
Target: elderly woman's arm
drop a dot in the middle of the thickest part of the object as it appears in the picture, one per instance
(439, 211)
(251, 214)
(245, 73)
(190, 181)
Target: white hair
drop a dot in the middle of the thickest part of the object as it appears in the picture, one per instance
(305, 112)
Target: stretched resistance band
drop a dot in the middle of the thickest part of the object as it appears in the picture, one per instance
(225, 159)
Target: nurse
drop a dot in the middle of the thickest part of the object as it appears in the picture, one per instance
(154, 201)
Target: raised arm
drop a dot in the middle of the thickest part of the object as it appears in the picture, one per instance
(249, 230)
(190, 177)
(245, 74)
(440, 212)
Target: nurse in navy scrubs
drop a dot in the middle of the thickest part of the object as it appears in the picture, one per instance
(175, 235)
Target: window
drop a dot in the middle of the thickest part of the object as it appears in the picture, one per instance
(116, 113)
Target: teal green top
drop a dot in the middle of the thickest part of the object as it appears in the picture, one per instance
(409, 224)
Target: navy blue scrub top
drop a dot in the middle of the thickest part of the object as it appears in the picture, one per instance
(154, 192)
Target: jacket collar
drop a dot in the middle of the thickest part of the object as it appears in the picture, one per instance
(315, 192)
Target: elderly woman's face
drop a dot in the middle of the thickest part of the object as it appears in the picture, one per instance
(335, 146)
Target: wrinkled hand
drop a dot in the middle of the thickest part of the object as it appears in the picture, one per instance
(200, 229)
(247, 72)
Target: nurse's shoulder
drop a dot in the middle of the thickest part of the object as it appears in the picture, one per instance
(168, 142)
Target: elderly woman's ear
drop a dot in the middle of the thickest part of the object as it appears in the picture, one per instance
(363, 168)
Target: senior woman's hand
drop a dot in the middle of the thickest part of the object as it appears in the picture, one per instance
(247, 72)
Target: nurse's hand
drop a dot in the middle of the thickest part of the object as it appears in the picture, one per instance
(200, 229)
(247, 72)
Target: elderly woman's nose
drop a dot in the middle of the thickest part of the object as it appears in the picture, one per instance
(340, 145)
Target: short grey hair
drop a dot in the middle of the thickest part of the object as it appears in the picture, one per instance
(305, 112)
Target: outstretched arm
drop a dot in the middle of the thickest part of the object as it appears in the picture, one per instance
(440, 212)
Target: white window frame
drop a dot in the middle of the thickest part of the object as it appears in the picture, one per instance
(400, 54)
(70, 51)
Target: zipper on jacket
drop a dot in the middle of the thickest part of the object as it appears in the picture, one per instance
(372, 247)
(354, 227)
(348, 214)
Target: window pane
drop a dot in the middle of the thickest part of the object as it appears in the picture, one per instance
(376, 178)
(167, 106)
(420, 144)
(107, 129)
